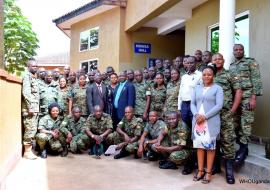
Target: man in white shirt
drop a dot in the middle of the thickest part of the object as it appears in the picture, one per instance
(188, 83)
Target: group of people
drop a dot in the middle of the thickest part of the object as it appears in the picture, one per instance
(189, 112)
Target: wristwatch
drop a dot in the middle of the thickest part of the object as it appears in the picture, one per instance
(92, 136)
(147, 142)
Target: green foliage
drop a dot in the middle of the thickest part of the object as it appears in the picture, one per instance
(20, 41)
(215, 40)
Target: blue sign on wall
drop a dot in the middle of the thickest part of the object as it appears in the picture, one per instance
(142, 48)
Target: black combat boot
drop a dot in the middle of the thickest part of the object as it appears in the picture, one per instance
(189, 165)
(43, 153)
(64, 153)
(122, 154)
(241, 154)
(167, 165)
(229, 171)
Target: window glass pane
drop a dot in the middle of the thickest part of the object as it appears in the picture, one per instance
(84, 37)
(93, 65)
(241, 34)
(84, 65)
(94, 38)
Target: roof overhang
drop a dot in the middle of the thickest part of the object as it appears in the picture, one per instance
(89, 10)
(175, 17)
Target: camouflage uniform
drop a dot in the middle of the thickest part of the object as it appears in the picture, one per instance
(172, 96)
(49, 124)
(131, 128)
(97, 127)
(79, 99)
(178, 136)
(30, 93)
(107, 82)
(182, 71)
(63, 98)
(229, 83)
(158, 98)
(249, 72)
(153, 131)
(142, 90)
(75, 128)
(48, 94)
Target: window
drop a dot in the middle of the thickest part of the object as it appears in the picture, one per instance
(89, 39)
(90, 65)
(241, 33)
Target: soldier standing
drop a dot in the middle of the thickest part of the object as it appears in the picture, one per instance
(48, 93)
(231, 86)
(143, 93)
(173, 86)
(30, 107)
(251, 84)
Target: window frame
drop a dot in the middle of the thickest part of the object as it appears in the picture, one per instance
(88, 61)
(88, 44)
(214, 27)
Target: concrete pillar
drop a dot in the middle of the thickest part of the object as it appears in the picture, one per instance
(226, 30)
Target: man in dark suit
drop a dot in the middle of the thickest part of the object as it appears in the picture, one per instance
(124, 95)
(96, 94)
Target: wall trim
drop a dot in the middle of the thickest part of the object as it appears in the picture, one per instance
(6, 76)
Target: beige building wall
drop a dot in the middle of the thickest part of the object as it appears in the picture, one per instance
(141, 11)
(10, 124)
(108, 45)
(259, 43)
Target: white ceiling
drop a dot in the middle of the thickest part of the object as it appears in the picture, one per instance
(175, 17)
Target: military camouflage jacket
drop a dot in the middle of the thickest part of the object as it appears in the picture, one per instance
(98, 126)
(249, 72)
(172, 96)
(48, 123)
(229, 82)
(155, 129)
(158, 97)
(70, 125)
(79, 98)
(48, 94)
(131, 128)
(178, 136)
(63, 98)
(30, 93)
(142, 90)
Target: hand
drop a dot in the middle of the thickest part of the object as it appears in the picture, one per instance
(200, 118)
(252, 103)
(99, 139)
(145, 116)
(159, 148)
(145, 145)
(127, 138)
(30, 112)
(140, 151)
(157, 144)
(69, 138)
(55, 134)
(120, 146)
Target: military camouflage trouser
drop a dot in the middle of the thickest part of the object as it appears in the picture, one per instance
(115, 138)
(244, 119)
(227, 134)
(73, 143)
(55, 144)
(84, 142)
(179, 157)
(30, 128)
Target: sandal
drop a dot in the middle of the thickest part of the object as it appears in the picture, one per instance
(198, 178)
(207, 179)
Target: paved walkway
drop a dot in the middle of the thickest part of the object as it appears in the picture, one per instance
(84, 172)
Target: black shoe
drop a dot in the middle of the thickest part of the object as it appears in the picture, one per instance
(187, 170)
(168, 165)
(241, 154)
(64, 153)
(152, 156)
(122, 154)
(90, 151)
(229, 171)
(161, 162)
(43, 154)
